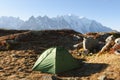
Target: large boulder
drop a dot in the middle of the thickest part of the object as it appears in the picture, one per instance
(117, 41)
(109, 38)
(109, 43)
(90, 44)
(116, 48)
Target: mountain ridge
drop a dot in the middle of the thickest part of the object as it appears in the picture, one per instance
(82, 25)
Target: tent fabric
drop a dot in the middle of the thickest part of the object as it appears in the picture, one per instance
(55, 60)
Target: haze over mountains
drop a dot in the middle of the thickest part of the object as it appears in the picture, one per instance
(76, 23)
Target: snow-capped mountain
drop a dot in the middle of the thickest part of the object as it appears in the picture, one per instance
(76, 23)
(10, 22)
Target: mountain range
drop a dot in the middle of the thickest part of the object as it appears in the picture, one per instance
(82, 25)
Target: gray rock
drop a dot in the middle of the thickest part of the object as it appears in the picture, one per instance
(109, 38)
(90, 43)
(117, 41)
(103, 77)
(79, 45)
(77, 38)
(1, 69)
(103, 36)
(117, 52)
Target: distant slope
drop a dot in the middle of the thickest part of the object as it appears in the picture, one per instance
(82, 25)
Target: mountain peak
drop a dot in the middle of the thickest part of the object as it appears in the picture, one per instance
(69, 21)
(32, 17)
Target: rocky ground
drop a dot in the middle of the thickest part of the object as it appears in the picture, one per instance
(17, 60)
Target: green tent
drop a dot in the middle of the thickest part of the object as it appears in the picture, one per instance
(55, 60)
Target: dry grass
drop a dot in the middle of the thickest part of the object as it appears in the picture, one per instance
(106, 64)
(17, 64)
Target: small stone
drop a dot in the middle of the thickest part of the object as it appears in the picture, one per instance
(117, 52)
(1, 69)
(103, 77)
(20, 69)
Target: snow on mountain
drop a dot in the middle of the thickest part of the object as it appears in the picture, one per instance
(10, 22)
(74, 22)
(82, 25)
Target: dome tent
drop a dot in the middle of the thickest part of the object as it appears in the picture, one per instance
(55, 60)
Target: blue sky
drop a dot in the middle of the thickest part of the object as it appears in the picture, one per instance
(106, 12)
